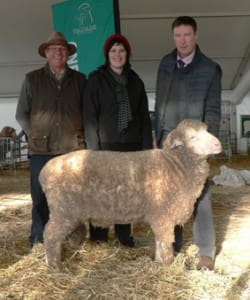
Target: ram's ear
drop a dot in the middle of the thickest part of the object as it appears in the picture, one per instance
(173, 140)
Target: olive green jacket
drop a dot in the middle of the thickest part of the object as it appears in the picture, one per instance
(50, 112)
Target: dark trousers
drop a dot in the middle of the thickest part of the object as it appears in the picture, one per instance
(178, 231)
(40, 211)
(122, 231)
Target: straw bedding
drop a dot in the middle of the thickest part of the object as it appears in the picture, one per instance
(109, 271)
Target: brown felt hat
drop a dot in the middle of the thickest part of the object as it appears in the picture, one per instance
(56, 38)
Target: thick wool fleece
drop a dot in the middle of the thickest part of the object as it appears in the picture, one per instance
(158, 186)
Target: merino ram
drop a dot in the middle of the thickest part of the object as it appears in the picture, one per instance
(158, 186)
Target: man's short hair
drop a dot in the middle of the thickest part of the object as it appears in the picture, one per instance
(185, 20)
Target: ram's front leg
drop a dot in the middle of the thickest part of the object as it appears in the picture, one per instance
(164, 238)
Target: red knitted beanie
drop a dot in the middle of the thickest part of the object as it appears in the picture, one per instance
(117, 37)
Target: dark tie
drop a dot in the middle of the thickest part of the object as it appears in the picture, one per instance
(181, 64)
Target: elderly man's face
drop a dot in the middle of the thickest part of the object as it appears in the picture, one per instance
(57, 56)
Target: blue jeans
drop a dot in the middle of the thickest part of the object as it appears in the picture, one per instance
(40, 210)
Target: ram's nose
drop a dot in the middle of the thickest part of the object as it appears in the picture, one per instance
(217, 146)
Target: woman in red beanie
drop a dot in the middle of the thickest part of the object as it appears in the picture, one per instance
(116, 115)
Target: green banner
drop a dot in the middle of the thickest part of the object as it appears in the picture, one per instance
(86, 24)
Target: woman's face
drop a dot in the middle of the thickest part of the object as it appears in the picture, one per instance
(117, 57)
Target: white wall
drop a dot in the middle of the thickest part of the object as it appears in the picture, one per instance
(242, 109)
(7, 113)
(8, 110)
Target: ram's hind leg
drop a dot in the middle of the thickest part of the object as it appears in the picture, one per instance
(77, 237)
(55, 233)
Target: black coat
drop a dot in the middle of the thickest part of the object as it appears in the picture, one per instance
(101, 113)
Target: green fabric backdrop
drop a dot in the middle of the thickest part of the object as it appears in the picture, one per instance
(87, 24)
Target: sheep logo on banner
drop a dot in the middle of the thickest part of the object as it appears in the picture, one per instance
(87, 23)
(85, 20)
(158, 186)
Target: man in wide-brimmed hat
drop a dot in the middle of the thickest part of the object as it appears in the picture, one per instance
(49, 111)
(56, 38)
